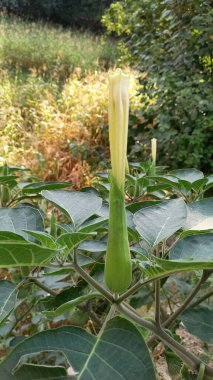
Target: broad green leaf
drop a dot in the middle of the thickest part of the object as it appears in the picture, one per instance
(38, 372)
(7, 299)
(164, 268)
(7, 235)
(159, 222)
(93, 246)
(14, 168)
(198, 321)
(71, 240)
(194, 252)
(176, 266)
(194, 232)
(84, 261)
(68, 306)
(69, 294)
(35, 188)
(193, 248)
(26, 217)
(167, 179)
(17, 253)
(93, 225)
(79, 206)
(209, 182)
(136, 206)
(119, 353)
(174, 364)
(65, 227)
(199, 215)
(57, 281)
(199, 184)
(8, 180)
(184, 186)
(154, 188)
(59, 272)
(189, 175)
(140, 251)
(45, 239)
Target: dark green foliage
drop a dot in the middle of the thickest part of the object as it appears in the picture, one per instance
(171, 41)
(84, 14)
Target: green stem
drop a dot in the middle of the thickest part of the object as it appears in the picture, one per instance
(201, 372)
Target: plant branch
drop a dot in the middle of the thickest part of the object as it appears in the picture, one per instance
(91, 280)
(157, 303)
(43, 287)
(87, 307)
(201, 299)
(131, 291)
(186, 303)
(189, 359)
(142, 283)
(188, 299)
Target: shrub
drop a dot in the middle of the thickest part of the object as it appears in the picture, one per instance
(171, 44)
(60, 134)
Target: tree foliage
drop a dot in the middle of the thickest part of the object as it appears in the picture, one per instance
(78, 13)
(171, 43)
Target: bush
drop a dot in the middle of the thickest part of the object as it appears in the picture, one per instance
(171, 44)
(61, 133)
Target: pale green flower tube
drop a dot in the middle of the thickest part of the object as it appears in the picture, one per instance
(153, 156)
(154, 150)
(118, 268)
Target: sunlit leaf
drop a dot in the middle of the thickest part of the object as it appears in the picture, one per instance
(17, 253)
(199, 215)
(24, 217)
(35, 188)
(158, 222)
(79, 206)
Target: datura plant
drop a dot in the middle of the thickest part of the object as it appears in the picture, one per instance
(69, 292)
(118, 268)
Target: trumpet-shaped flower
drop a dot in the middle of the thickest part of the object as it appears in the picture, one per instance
(118, 270)
(154, 150)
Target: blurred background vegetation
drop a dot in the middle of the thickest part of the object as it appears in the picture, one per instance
(54, 58)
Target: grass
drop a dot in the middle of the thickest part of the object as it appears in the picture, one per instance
(54, 99)
(52, 52)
